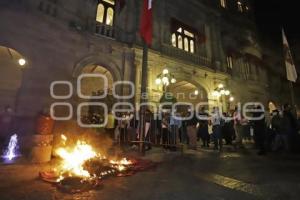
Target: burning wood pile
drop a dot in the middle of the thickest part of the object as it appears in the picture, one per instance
(82, 168)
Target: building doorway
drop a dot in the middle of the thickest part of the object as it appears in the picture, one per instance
(186, 92)
(11, 65)
(96, 87)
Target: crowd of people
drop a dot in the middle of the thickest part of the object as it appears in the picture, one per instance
(270, 131)
(277, 130)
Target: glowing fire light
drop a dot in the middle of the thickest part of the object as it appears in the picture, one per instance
(124, 161)
(12, 147)
(73, 159)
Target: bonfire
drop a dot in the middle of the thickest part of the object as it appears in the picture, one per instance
(83, 165)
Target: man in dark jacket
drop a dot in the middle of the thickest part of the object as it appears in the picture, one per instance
(259, 129)
(203, 128)
(289, 127)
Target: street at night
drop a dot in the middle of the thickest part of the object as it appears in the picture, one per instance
(149, 100)
(194, 175)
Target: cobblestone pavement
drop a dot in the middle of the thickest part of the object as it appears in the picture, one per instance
(201, 174)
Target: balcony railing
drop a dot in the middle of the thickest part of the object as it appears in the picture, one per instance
(105, 30)
(186, 56)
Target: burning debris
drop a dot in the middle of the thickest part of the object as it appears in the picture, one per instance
(12, 149)
(83, 168)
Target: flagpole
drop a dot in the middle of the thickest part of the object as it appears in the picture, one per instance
(143, 98)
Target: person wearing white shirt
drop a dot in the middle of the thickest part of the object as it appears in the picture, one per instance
(216, 126)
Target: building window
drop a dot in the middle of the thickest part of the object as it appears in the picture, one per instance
(229, 62)
(105, 12)
(223, 3)
(240, 6)
(183, 37)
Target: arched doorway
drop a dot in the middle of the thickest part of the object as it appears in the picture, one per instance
(11, 65)
(95, 87)
(187, 92)
(92, 85)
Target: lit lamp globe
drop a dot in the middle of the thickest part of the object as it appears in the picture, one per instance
(173, 80)
(165, 80)
(222, 92)
(158, 81)
(165, 71)
(22, 61)
(215, 93)
(220, 86)
(231, 99)
(227, 92)
(196, 92)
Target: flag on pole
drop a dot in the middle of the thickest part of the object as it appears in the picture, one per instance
(289, 63)
(147, 22)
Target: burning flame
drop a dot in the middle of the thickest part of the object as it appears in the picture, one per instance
(74, 158)
(11, 151)
(124, 161)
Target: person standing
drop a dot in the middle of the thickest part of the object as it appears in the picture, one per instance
(259, 129)
(237, 118)
(280, 135)
(165, 131)
(289, 127)
(173, 130)
(216, 125)
(203, 127)
(192, 131)
(148, 121)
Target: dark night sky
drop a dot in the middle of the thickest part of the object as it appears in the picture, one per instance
(271, 15)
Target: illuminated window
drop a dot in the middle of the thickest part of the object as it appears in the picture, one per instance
(100, 13)
(110, 16)
(105, 12)
(174, 40)
(183, 37)
(186, 44)
(229, 62)
(192, 46)
(240, 6)
(223, 3)
(180, 43)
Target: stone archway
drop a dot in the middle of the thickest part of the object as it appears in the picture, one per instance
(94, 86)
(11, 65)
(103, 60)
(189, 91)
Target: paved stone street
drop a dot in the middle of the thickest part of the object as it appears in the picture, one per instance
(193, 175)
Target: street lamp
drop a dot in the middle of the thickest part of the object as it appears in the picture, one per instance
(22, 62)
(165, 78)
(221, 92)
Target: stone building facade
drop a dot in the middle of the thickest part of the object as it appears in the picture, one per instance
(203, 43)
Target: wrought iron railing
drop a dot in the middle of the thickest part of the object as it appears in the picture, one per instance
(186, 56)
(105, 30)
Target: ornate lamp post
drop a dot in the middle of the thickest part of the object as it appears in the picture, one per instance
(222, 92)
(165, 79)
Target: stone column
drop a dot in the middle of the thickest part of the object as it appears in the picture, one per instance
(129, 70)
